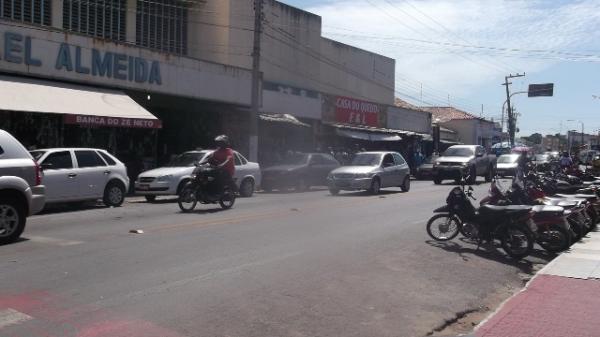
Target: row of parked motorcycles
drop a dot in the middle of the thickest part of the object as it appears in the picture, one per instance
(553, 209)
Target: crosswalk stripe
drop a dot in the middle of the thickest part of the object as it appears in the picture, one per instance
(12, 317)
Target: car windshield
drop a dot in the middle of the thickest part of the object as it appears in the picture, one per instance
(366, 159)
(296, 159)
(37, 154)
(506, 159)
(458, 152)
(187, 159)
(541, 157)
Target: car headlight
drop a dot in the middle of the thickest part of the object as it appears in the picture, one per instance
(437, 163)
(465, 164)
(164, 178)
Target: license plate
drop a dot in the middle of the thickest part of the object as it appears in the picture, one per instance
(143, 187)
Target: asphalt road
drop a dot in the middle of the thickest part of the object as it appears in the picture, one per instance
(298, 264)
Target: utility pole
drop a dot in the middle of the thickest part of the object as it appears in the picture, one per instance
(511, 122)
(256, 81)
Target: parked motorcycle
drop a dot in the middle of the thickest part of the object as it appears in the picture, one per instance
(554, 232)
(204, 187)
(511, 225)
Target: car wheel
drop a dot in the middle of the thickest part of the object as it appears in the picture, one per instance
(114, 194)
(334, 191)
(375, 186)
(247, 188)
(406, 184)
(12, 219)
(181, 185)
(150, 198)
(437, 180)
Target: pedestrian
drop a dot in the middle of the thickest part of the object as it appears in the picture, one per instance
(565, 160)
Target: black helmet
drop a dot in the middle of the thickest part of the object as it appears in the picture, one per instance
(222, 141)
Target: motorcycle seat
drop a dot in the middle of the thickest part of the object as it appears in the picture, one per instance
(547, 209)
(511, 209)
(589, 197)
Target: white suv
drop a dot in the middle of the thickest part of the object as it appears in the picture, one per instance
(78, 174)
(21, 191)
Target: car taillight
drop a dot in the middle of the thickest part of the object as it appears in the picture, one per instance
(38, 173)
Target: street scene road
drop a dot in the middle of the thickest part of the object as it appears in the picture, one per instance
(277, 264)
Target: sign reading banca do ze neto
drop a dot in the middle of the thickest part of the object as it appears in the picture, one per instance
(18, 49)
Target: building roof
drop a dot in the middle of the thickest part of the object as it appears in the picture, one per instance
(405, 105)
(448, 113)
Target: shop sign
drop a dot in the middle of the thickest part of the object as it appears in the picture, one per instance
(17, 48)
(353, 111)
(113, 122)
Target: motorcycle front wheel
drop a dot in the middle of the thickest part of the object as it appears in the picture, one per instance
(443, 227)
(516, 242)
(187, 199)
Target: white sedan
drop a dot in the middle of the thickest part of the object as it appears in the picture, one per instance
(77, 174)
(170, 179)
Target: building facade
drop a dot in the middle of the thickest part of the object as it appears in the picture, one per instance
(179, 71)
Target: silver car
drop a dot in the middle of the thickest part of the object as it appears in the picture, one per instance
(371, 171)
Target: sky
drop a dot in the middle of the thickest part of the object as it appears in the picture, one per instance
(459, 51)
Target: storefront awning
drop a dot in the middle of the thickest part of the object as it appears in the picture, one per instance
(367, 135)
(282, 118)
(81, 105)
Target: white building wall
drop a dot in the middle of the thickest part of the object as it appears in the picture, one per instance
(292, 49)
(409, 120)
(465, 130)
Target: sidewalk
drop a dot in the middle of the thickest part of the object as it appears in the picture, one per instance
(563, 299)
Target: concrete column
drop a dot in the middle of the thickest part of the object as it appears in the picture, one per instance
(56, 14)
(130, 22)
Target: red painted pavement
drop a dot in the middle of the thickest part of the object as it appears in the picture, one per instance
(551, 306)
(55, 317)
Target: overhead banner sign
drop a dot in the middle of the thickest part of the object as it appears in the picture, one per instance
(541, 90)
(352, 111)
(112, 122)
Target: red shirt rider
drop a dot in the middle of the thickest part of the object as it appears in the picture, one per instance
(221, 155)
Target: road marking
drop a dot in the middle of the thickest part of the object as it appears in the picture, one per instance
(12, 317)
(54, 241)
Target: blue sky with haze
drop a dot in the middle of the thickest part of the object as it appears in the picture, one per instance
(464, 48)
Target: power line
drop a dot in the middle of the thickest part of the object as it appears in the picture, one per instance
(497, 66)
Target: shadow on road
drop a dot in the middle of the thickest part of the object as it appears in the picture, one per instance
(71, 207)
(491, 251)
(292, 190)
(382, 193)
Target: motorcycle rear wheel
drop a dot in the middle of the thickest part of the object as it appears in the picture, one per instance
(516, 242)
(228, 200)
(187, 199)
(443, 227)
(558, 239)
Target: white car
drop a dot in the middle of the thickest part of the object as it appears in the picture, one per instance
(79, 174)
(170, 179)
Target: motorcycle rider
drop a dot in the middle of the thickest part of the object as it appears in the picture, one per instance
(222, 158)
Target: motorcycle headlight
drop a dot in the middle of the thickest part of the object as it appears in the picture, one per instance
(164, 178)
